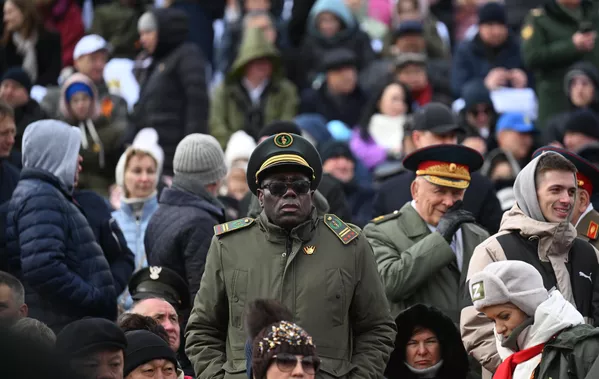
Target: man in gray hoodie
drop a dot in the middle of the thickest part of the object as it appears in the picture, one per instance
(537, 230)
(50, 245)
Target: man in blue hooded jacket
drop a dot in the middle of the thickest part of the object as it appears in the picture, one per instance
(51, 247)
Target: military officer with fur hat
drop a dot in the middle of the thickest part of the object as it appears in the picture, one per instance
(423, 249)
(584, 216)
(320, 268)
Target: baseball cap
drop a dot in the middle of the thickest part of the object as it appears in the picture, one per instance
(90, 44)
(517, 122)
(436, 118)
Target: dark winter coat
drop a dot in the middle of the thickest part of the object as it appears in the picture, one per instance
(9, 176)
(455, 359)
(174, 98)
(351, 37)
(24, 116)
(47, 51)
(346, 108)
(109, 236)
(53, 251)
(179, 234)
(480, 199)
(473, 61)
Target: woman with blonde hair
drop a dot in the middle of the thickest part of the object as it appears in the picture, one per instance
(137, 176)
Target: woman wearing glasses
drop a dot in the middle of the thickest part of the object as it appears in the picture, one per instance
(280, 349)
(428, 345)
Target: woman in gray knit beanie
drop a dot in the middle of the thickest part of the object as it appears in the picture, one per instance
(538, 333)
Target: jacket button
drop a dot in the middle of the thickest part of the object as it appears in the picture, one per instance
(235, 299)
(338, 296)
(284, 255)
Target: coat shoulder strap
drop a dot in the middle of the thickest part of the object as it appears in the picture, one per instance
(231, 226)
(343, 231)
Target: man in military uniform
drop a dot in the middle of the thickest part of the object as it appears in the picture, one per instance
(555, 36)
(320, 268)
(584, 216)
(160, 293)
(423, 250)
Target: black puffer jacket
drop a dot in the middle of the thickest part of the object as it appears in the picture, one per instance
(173, 97)
(455, 359)
(179, 234)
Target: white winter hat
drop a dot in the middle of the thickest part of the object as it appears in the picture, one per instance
(239, 147)
(146, 140)
(504, 282)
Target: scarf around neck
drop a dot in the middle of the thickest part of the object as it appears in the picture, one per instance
(507, 367)
(26, 49)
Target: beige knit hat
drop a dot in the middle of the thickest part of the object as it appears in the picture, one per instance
(504, 282)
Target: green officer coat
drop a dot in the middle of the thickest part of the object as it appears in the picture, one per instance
(588, 228)
(323, 271)
(548, 51)
(418, 266)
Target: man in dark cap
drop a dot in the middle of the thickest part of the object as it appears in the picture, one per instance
(160, 293)
(14, 89)
(291, 253)
(581, 129)
(584, 216)
(339, 97)
(423, 249)
(435, 124)
(147, 352)
(408, 38)
(493, 55)
(94, 347)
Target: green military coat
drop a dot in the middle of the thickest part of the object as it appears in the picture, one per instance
(588, 228)
(323, 271)
(418, 266)
(548, 51)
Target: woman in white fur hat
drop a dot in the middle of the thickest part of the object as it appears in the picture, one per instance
(137, 176)
(538, 333)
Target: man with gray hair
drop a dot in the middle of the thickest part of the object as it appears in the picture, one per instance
(537, 230)
(35, 330)
(12, 299)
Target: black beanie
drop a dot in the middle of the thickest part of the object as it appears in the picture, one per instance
(492, 12)
(277, 127)
(144, 346)
(584, 121)
(89, 335)
(334, 149)
(18, 75)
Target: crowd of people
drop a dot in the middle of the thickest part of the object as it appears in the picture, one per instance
(268, 189)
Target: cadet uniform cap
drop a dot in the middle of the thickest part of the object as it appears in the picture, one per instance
(284, 149)
(445, 165)
(587, 175)
(160, 282)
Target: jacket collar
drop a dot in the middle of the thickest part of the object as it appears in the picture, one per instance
(416, 228)
(43, 175)
(303, 232)
(174, 196)
(149, 207)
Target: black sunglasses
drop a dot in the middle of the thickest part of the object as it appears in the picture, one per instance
(277, 188)
(287, 362)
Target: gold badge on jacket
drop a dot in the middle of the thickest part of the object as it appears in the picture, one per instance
(309, 250)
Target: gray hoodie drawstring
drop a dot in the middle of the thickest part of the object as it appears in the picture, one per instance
(89, 125)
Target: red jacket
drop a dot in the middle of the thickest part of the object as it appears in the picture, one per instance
(65, 17)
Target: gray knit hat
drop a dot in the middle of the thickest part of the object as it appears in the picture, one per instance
(201, 156)
(147, 22)
(504, 282)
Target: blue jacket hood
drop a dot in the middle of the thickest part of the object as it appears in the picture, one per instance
(52, 146)
(336, 7)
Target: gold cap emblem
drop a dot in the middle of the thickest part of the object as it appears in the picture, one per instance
(283, 140)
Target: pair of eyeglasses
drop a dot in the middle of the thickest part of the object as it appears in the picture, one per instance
(277, 188)
(287, 363)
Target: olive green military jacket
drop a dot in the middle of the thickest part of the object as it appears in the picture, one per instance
(323, 271)
(548, 51)
(418, 266)
(588, 228)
